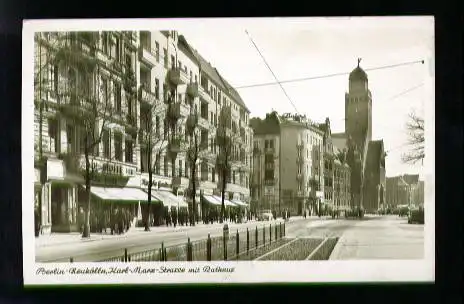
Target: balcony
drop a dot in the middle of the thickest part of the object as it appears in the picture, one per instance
(180, 182)
(146, 56)
(269, 151)
(270, 182)
(300, 193)
(174, 146)
(203, 123)
(178, 110)
(299, 146)
(147, 96)
(204, 145)
(177, 77)
(204, 93)
(299, 176)
(192, 121)
(193, 90)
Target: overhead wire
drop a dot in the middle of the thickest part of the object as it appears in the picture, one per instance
(326, 75)
(272, 72)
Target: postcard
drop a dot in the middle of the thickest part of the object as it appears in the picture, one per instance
(245, 150)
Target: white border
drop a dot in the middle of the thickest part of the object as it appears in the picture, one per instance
(245, 272)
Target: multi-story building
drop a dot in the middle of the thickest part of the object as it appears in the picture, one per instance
(289, 175)
(136, 73)
(397, 192)
(405, 189)
(265, 185)
(336, 172)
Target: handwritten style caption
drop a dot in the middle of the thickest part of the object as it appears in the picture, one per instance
(112, 270)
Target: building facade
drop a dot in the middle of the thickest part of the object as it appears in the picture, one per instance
(136, 73)
(295, 157)
(266, 163)
(336, 172)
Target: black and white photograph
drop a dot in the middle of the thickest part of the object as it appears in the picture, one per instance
(228, 150)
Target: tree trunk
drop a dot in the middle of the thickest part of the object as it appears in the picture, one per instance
(194, 190)
(86, 230)
(146, 220)
(223, 191)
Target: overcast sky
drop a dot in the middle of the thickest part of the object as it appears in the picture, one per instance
(314, 49)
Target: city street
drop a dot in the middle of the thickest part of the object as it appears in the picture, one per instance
(374, 237)
(59, 248)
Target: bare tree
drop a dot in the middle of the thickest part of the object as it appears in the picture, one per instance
(416, 139)
(83, 98)
(151, 140)
(226, 139)
(197, 149)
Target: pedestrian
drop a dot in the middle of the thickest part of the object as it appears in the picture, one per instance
(174, 216)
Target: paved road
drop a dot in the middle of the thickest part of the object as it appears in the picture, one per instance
(386, 237)
(105, 248)
(374, 237)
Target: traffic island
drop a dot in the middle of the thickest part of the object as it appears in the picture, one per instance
(301, 249)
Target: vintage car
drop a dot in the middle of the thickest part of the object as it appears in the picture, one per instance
(416, 215)
(265, 215)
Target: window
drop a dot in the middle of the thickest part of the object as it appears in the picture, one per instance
(266, 144)
(213, 175)
(271, 144)
(129, 151)
(53, 132)
(173, 62)
(157, 88)
(165, 57)
(106, 39)
(118, 146)
(180, 168)
(157, 126)
(158, 163)
(191, 78)
(105, 90)
(196, 79)
(106, 144)
(117, 97)
(166, 164)
(157, 51)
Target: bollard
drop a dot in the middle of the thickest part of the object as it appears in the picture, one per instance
(275, 232)
(264, 235)
(71, 260)
(248, 241)
(162, 252)
(208, 248)
(225, 239)
(237, 245)
(280, 229)
(189, 251)
(256, 237)
(270, 233)
(125, 255)
(165, 255)
(284, 229)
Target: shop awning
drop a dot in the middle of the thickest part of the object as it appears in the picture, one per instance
(169, 199)
(210, 199)
(226, 201)
(240, 203)
(122, 194)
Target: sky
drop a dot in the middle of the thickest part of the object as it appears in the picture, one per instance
(305, 49)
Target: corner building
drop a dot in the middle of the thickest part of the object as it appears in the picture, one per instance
(153, 60)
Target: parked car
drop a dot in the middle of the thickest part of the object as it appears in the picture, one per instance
(265, 215)
(416, 215)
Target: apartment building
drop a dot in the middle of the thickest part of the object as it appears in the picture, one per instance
(266, 163)
(136, 72)
(288, 163)
(336, 172)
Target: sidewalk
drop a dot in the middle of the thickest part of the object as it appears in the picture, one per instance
(74, 237)
(390, 238)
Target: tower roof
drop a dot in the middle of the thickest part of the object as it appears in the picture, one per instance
(358, 74)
